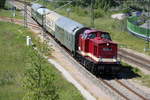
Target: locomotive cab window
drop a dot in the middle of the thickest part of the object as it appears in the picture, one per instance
(84, 35)
(89, 36)
(105, 36)
(92, 36)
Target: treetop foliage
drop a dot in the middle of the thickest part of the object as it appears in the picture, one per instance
(2, 3)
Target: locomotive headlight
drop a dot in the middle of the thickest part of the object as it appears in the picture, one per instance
(114, 58)
(107, 44)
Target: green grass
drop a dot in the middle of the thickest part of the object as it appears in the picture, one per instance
(13, 52)
(144, 80)
(9, 13)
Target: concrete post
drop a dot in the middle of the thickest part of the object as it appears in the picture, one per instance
(28, 41)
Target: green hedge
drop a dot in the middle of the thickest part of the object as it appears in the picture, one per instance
(136, 28)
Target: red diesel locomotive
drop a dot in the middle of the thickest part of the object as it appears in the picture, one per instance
(97, 52)
(92, 48)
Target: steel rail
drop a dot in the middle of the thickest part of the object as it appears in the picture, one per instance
(137, 60)
(125, 86)
(114, 89)
(143, 98)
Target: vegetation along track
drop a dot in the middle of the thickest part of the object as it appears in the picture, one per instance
(135, 59)
(122, 90)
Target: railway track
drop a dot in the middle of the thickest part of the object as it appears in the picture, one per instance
(135, 59)
(110, 84)
(123, 90)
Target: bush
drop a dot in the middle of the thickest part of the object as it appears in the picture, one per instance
(136, 70)
(2, 3)
(39, 80)
(98, 13)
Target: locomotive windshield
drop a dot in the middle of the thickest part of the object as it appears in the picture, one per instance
(89, 36)
(105, 36)
(92, 36)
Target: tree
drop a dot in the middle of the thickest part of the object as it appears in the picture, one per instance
(38, 79)
(2, 3)
(103, 4)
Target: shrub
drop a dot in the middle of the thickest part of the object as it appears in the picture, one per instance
(98, 13)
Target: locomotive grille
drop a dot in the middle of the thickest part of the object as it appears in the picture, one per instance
(107, 49)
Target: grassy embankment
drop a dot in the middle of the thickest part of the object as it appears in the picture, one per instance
(13, 53)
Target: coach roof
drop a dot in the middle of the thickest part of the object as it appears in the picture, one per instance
(43, 11)
(36, 6)
(68, 25)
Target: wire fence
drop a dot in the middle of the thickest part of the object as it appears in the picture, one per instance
(133, 27)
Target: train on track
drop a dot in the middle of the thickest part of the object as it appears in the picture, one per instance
(92, 48)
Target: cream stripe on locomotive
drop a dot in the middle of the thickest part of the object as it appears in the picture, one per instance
(98, 59)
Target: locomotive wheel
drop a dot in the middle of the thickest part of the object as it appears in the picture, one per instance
(89, 66)
(93, 69)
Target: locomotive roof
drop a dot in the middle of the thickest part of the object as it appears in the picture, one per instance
(43, 11)
(93, 30)
(36, 6)
(68, 24)
(97, 40)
